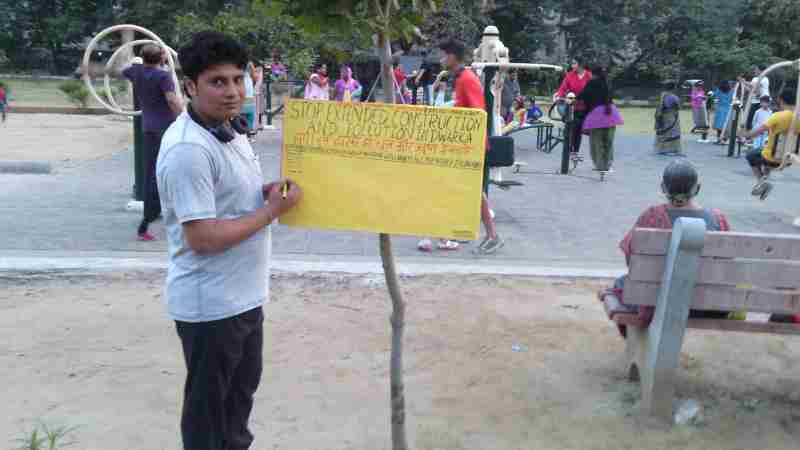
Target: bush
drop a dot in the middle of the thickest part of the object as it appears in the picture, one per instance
(299, 63)
(76, 92)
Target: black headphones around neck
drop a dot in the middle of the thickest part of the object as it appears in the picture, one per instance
(221, 132)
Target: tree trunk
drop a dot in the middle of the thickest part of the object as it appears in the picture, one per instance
(397, 391)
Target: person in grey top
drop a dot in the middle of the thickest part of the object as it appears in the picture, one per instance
(511, 90)
(217, 212)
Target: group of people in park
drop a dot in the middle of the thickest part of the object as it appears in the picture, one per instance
(767, 123)
(346, 89)
(594, 113)
(217, 209)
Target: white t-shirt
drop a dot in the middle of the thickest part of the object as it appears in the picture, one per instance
(763, 89)
(199, 177)
(249, 86)
(759, 119)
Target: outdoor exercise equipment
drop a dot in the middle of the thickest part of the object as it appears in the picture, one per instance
(112, 104)
(734, 116)
(786, 149)
(492, 61)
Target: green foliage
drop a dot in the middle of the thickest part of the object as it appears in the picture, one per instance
(261, 26)
(43, 437)
(299, 63)
(76, 92)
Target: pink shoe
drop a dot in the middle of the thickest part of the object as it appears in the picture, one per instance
(147, 237)
(425, 245)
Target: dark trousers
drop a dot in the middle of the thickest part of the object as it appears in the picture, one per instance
(151, 142)
(752, 114)
(577, 131)
(224, 362)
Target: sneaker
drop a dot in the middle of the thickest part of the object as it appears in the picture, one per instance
(481, 244)
(492, 245)
(146, 237)
(425, 245)
(445, 244)
(758, 189)
(767, 190)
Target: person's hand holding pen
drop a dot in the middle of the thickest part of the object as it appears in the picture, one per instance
(281, 196)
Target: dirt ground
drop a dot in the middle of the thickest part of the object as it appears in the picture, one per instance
(491, 363)
(53, 137)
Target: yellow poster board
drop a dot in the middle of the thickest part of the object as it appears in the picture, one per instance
(385, 168)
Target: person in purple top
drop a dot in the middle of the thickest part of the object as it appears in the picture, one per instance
(160, 105)
(601, 121)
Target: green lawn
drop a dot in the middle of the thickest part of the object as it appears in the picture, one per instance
(640, 121)
(30, 92)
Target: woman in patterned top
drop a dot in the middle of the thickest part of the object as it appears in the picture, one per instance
(680, 184)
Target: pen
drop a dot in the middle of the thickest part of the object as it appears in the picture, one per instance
(284, 189)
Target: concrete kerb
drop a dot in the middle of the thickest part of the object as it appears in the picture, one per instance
(100, 262)
(26, 167)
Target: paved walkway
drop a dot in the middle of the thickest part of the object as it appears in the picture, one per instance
(553, 220)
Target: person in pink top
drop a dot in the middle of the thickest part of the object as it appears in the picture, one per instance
(699, 114)
(318, 87)
(347, 87)
(574, 82)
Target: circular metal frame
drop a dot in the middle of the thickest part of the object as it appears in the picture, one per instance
(112, 104)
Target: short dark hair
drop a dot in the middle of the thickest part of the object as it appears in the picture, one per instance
(789, 96)
(762, 67)
(764, 98)
(151, 54)
(210, 48)
(455, 48)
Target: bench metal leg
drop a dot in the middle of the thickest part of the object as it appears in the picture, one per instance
(635, 351)
(657, 348)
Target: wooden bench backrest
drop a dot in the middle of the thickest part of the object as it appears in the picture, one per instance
(738, 271)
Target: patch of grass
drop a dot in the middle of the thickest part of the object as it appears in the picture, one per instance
(45, 92)
(641, 121)
(43, 437)
(76, 92)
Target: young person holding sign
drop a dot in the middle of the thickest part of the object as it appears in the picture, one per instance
(217, 210)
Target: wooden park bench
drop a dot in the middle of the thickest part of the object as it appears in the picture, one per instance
(689, 268)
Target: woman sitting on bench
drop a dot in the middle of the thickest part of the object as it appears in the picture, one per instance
(680, 184)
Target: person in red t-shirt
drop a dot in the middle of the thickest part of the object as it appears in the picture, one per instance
(400, 78)
(469, 94)
(575, 81)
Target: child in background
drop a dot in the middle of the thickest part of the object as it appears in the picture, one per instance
(518, 115)
(534, 112)
(760, 119)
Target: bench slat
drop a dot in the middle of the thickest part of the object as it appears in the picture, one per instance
(744, 326)
(740, 326)
(724, 245)
(730, 272)
(720, 298)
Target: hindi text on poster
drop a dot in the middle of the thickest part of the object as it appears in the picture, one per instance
(385, 168)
